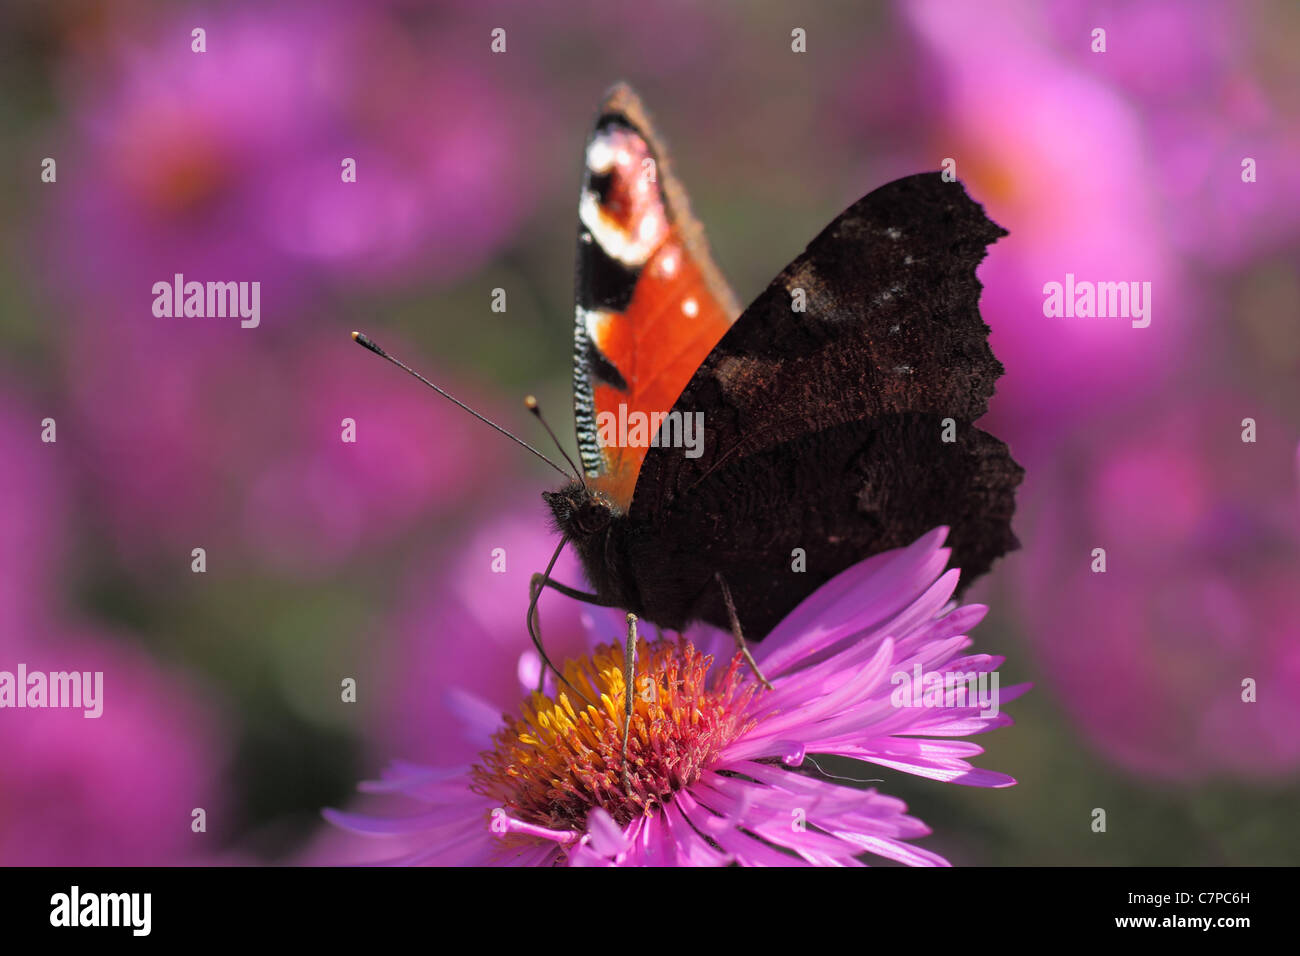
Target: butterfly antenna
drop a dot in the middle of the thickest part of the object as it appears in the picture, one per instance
(364, 340)
(531, 404)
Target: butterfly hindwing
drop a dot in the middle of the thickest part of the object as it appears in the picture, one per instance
(650, 302)
(824, 429)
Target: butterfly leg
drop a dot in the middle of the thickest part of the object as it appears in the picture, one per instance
(736, 631)
(629, 676)
(540, 580)
(534, 632)
(535, 585)
(534, 592)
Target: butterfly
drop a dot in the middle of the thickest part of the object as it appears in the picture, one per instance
(836, 410)
(732, 462)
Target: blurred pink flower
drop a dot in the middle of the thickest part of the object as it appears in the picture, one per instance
(1057, 156)
(113, 790)
(1161, 52)
(33, 512)
(201, 442)
(117, 789)
(1198, 73)
(227, 165)
(1199, 593)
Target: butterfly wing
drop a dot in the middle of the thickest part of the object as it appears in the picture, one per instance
(650, 302)
(843, 429)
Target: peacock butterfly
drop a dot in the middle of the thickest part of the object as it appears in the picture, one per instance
(732, 462)
(837, 409)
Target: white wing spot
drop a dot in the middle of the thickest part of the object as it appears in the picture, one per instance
(613, 238)
(596, 322)
(600, 155)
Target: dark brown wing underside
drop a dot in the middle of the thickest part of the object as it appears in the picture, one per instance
(838, 496)
(824, 429)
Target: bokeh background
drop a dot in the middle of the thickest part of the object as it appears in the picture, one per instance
(372, 560)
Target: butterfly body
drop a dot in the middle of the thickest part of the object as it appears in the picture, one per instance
(837, 410)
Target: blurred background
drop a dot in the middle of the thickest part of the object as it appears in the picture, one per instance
(372, 560)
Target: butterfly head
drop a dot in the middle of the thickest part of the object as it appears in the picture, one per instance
(580, 512)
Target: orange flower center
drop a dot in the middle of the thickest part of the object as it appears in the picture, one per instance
(551, 766)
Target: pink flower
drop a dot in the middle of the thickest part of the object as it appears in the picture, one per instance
(228, 165)
(33, 512)
(243, 453)
(1200, 74)
(1059, 158)
(115, 789)
(119, 789)
(1151, 656)
(713, 757)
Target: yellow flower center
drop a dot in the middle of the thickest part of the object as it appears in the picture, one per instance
(551, 766)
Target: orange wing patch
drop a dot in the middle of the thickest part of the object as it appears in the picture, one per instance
(651, 304)
(669, 328)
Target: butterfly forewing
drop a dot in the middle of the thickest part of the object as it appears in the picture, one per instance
(650, 302)
(837, 418)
